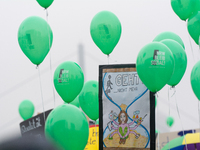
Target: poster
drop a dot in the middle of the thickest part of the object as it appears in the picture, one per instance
(127, 109)
(92, 143)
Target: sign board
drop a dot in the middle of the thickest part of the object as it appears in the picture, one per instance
(34, 126)
(126, 109)
(93, 138)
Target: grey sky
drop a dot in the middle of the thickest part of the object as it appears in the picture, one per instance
(141, 21)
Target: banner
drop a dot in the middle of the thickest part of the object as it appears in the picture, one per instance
(93, 138)
(127, 109)
(34, 126)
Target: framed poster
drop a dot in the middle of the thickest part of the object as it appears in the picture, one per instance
(126, 109)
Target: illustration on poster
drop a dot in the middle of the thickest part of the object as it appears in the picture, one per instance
(124, 126)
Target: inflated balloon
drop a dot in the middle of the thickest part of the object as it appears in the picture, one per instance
(170, 121)
(75, 102)
(26, 109)
(97, 121)
(195, 79)
(68, 80)
(45, 3)
(35, 38)
(89, 99)
(184, 8)
(180, 61)
(193, 26)
(169, 35)
(105, 30)
(67, 127)
(155, 65)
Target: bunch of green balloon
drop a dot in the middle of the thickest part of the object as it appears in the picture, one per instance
(180, 61)
(89, 99)
(170, 121)
(68, 80)
(193, 26)
(105, 30)
(195, 79)
(26, 109)
(45, 3)
(35, 38)
(185, 8)
(169, 35)
(67, 127)
(155, 65)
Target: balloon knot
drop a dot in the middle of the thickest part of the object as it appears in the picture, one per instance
(37, 66)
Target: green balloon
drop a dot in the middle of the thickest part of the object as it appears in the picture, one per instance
(170, 121)
(68, 80)
(155, 65)
(67, 127)
(184, 8)
(45, 3)
(195, 79)
(105, 30)
(180, 61)
(35, 38)
(89, 99)
(197, 6)
(97, 121)
(193, 26)
(169, 35)
(75, 102)
(26, 109)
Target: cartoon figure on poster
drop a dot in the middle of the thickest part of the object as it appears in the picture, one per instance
(124, 126)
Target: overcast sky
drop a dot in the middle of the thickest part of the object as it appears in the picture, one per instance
(141, 21)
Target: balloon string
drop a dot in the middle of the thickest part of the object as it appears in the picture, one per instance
(50, 61)
(41, 91)
(190, 45)
(179, 117)
(96, 134)
(169, 116)
(108, 59)
(157, 120)
(47, 15)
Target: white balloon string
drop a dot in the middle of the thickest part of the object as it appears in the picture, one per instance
(96, 134)
(191, 45)
(180, 117)
(41, 91)
(169, 116)
(51, 75)
(157, 121)
(47, 15)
